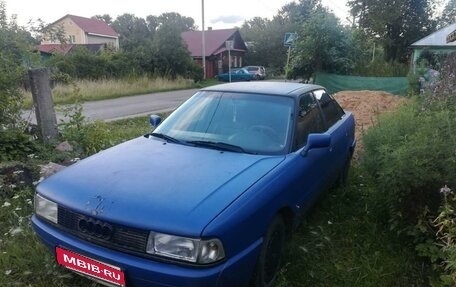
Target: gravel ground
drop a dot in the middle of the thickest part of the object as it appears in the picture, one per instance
(366, 107)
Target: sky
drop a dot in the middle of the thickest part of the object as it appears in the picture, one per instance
(218, 14)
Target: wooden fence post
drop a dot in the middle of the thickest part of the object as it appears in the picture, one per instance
(44, 105)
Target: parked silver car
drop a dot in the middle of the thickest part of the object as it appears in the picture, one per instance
(258, 72)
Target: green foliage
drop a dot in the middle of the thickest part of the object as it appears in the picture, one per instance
(264, 38)
(323, 45)
(90, 138)
(445, 226)
(448, 16)
(139, 32)
(370, 58)
(397, 24)
(24, 258)
(345, 242)
(411, 155)
(171, 56)
(151, 46)
(10, 98)
(15, 145)
(443, 95)
(380, 68)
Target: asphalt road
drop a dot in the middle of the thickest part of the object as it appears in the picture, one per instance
(126, 106)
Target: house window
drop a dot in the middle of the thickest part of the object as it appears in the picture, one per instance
(235, 61)
(72, 39)
(240, 61)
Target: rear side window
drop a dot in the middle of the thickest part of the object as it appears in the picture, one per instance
(331, 110)
(309, 120)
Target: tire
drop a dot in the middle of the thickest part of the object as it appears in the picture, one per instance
(270, 258)
(257, 77)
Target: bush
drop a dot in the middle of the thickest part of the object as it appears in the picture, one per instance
(15, 145)
(89, 138)
(411, 155)
(10, 98)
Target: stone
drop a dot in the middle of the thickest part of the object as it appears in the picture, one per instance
(49, 169)
(64, 147)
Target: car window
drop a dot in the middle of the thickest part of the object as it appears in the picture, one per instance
(309, 120)
(331, 110)
(260, 124)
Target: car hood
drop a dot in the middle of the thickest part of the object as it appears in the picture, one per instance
(149, 184)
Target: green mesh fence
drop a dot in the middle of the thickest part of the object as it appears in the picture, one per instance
(335, 83)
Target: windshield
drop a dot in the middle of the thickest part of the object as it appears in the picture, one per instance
(258, 124)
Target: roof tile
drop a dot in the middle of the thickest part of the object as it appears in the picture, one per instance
(215, 40)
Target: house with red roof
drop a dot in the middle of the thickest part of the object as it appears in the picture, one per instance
(81, 30)
(217, 55)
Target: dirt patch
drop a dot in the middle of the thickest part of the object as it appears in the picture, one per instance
(366, 107)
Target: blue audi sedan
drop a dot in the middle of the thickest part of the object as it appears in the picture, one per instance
(209, 198)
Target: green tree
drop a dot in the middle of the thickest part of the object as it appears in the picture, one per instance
(323, 45)
(14, 56)
(299, 12)
(105, 17)
(397, 23)
(177, 21)
(133, 32)
(264, 39)
(448, 16)
(171, 56)
(15, 45)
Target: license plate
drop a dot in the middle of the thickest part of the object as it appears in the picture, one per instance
(90, 267)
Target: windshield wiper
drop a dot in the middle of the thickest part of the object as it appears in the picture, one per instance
(218, 145)
(168, 138)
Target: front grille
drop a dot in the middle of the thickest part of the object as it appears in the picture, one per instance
(103, 233)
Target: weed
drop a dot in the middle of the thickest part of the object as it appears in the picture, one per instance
(93, 90)
(345, 242)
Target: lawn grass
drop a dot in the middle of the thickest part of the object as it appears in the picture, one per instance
(125, 129)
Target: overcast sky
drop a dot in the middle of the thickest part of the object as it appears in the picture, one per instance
(219, 14)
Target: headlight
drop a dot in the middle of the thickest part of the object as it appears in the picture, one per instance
(46, 208)
(187, 249)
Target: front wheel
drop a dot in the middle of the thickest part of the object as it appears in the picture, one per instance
(268, 263)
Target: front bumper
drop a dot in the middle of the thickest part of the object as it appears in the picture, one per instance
(236, 271)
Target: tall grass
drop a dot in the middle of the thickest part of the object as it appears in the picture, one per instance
(93, 90)
(346, 242)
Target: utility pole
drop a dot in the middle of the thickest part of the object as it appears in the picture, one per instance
(44, 105)
(229, 45)
(204, 41)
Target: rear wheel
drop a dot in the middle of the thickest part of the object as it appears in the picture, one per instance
(268, 263)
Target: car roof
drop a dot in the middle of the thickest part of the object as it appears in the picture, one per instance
(270, 88)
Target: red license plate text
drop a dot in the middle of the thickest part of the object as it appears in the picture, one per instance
(90, 267)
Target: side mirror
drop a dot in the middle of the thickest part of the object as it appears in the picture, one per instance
(316, 141)
(155, 120)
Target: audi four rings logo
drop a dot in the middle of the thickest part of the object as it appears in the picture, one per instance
(95, 228)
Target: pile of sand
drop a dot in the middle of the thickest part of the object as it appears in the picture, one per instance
(366, 107)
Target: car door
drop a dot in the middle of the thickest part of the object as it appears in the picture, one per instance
(309, 168)
(332, 114)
